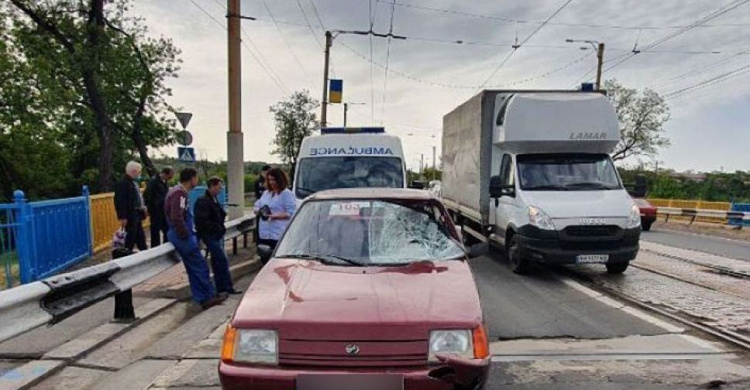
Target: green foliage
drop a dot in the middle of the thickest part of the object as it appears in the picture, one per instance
(54, 61)
(250, 180)
(715, 187)
(295, 120)
(642, 116)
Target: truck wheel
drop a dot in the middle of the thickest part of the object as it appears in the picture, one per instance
(646, 226)
(617, 268)
(517, 264)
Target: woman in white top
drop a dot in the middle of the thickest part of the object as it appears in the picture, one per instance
(281, 206)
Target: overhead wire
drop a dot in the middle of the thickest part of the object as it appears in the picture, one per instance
(708, 82)
(695, 72)
(516, 47)
(713, 15)
(286, 41)
(372, 84)
(309, 25)
(258, 57)
(526, 21)
(387, 64)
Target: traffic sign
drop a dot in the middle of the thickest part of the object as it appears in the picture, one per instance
(185, 138)
(184, 118)
(186, 154)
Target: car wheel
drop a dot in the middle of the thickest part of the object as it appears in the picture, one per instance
(646, 226)
(517, 264)
(617, 268)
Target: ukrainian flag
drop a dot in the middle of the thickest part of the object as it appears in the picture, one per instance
(335, 91)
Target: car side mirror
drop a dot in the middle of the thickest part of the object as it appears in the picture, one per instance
(478, 250)
(496, 187)
(264, 252)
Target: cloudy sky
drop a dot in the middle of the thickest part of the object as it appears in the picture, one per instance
(697, 52)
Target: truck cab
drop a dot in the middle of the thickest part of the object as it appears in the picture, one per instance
(556, 195)
(349, 158)
(530, 172)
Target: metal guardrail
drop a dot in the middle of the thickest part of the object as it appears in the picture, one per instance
(697, 213)
(51, 300)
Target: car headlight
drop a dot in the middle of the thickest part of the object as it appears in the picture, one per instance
(451, 342)
(250, 346)
(634, 220)
(540, 219)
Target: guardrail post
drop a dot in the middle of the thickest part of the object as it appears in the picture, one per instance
(24, 238)
(124, 310)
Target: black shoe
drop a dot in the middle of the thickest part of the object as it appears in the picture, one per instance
(217, 300)
(234, 292)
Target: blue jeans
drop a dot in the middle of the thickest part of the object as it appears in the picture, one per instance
(220, 265)
(195, 265)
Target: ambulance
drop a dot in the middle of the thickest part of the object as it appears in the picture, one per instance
(349, 157)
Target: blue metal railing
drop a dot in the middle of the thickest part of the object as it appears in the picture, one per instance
(744, 207)
(38, 239)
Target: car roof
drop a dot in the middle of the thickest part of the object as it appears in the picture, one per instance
(372, 193)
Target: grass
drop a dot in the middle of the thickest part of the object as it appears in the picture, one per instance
(9, 261)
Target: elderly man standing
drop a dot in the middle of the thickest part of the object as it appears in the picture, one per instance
(131, 210)
(156, 191)
(182, 236)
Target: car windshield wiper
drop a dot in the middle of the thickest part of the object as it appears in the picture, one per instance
(548, 187)
(326, 259)
(307, 191)
(592, 184)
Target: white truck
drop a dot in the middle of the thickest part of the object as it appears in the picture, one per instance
(348, 157)
(529, 171)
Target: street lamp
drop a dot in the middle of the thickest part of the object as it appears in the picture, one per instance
(599, 47)
(330, 35)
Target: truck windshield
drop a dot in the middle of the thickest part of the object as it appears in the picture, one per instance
(325, 173)
(369, 232)
(567, 172)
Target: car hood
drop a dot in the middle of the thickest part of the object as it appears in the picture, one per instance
(308, 300)
(573, 204)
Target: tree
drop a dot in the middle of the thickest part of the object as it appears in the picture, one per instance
(295, 120)
(642, 116)
(99, 78)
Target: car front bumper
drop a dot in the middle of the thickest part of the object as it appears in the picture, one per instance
(551, 248)
(235, 377)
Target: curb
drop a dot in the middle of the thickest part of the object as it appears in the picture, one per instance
(182, 290)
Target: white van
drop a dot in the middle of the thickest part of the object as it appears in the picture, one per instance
(347, 158)
(531, 172)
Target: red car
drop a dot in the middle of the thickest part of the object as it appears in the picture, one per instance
(648, 213)
(367, 289)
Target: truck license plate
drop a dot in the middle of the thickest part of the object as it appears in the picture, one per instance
(584, 259)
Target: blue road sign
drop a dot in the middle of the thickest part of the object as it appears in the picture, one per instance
(186, 154)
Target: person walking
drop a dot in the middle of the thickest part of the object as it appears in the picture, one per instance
(130, 208)
(275, 208)
(156, 192)
(209, 225)
(180, 234)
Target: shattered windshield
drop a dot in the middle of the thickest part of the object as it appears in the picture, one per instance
(370, 233)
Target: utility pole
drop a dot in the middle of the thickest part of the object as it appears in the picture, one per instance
(346, 108)
(600, 61)
(434, 165)
(236, 165)
(324, 106)
(599, 47)
(421, 168)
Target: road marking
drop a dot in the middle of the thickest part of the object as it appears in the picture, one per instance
(621, 306)
(611, 356)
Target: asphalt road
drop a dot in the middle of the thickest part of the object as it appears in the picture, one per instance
(716, 245)
(540, 305)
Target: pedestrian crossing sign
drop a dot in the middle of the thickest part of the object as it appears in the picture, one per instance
(336, 91)
(186, 154)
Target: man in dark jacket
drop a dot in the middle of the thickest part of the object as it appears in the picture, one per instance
(131, 210)
(181, 235)
(209, 224)
(156, 191)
